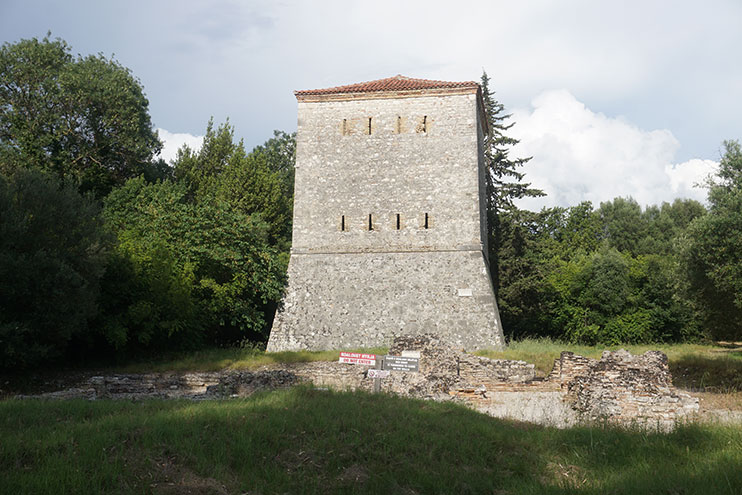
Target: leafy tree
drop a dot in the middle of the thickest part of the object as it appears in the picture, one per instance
(623, 224)
(84, 118)
(504, 181)
(52, 253)
(200, 169)
(208, 264)
(258, 184)
(665, 223)
(712, 250)
(280, 152)
(561, 278)
(148, 300)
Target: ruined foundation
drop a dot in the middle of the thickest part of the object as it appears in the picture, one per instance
(617, 389)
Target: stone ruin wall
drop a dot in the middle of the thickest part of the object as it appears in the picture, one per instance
(622, 387)
(351, 286)
(619, 388)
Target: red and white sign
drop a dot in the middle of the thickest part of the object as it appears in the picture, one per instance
(357, 358)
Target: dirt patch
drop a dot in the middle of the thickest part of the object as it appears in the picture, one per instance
(171, 478)
(565, 475)
(354, 474)
(296, 460)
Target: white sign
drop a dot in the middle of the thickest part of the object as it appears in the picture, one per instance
(378, 373)
(399, 363)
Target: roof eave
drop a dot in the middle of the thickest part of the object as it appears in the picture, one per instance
(309, 96)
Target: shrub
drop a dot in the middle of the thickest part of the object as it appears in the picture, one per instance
(52, 254)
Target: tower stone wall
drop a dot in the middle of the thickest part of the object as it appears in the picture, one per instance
(389, 236)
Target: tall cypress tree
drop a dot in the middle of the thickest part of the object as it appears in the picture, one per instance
(504, 180)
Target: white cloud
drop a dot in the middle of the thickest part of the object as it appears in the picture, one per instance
(172, 142)
(687, 176)
(580, 155)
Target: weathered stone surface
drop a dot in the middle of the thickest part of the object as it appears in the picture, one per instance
(619, 388)
(623, 388)
(389, 229)
(209, 385)
(352, 300)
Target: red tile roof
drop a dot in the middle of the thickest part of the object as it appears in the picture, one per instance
(396, 83)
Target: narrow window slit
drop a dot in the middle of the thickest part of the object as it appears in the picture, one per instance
(398, 221)
(425, 127)
(399, 124)
(369, 126)
(370, 223)
(345, 127)
(426, 220)
(342, 223)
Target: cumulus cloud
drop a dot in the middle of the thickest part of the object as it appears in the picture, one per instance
(580, 155)
(172, 142)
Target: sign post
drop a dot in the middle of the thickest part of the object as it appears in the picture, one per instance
(382, 365)
(377, 379)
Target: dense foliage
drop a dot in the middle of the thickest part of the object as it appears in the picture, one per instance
(712, 251)
(185, 273)
(576, 274)
(260, 183)
(83, 118)
(52, 254)
(158, 257)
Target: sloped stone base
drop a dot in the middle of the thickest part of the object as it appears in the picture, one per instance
(355, 300)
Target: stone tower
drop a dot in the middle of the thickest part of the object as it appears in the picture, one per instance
(389, 234)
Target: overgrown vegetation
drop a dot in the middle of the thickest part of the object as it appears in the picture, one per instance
(108, 251)
(309, 441)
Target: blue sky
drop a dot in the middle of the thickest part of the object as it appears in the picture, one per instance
(611, 98)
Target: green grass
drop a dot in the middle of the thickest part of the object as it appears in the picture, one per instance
(231, 358)
(704, 367)
(308, 441)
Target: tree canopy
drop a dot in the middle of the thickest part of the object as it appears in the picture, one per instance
(81, 118)
(713, 250)
(259, 183)
(503, 179)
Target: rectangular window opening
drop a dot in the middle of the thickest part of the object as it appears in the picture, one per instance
(398, 222)
(426, 221)
(342, 223)
(369, 126)
(370, 223)
(425, 124)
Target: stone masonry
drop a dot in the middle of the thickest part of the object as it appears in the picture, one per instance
(620, 388)
(389, 234)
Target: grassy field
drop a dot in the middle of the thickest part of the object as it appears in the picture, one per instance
(309, 441)
(232, 358)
